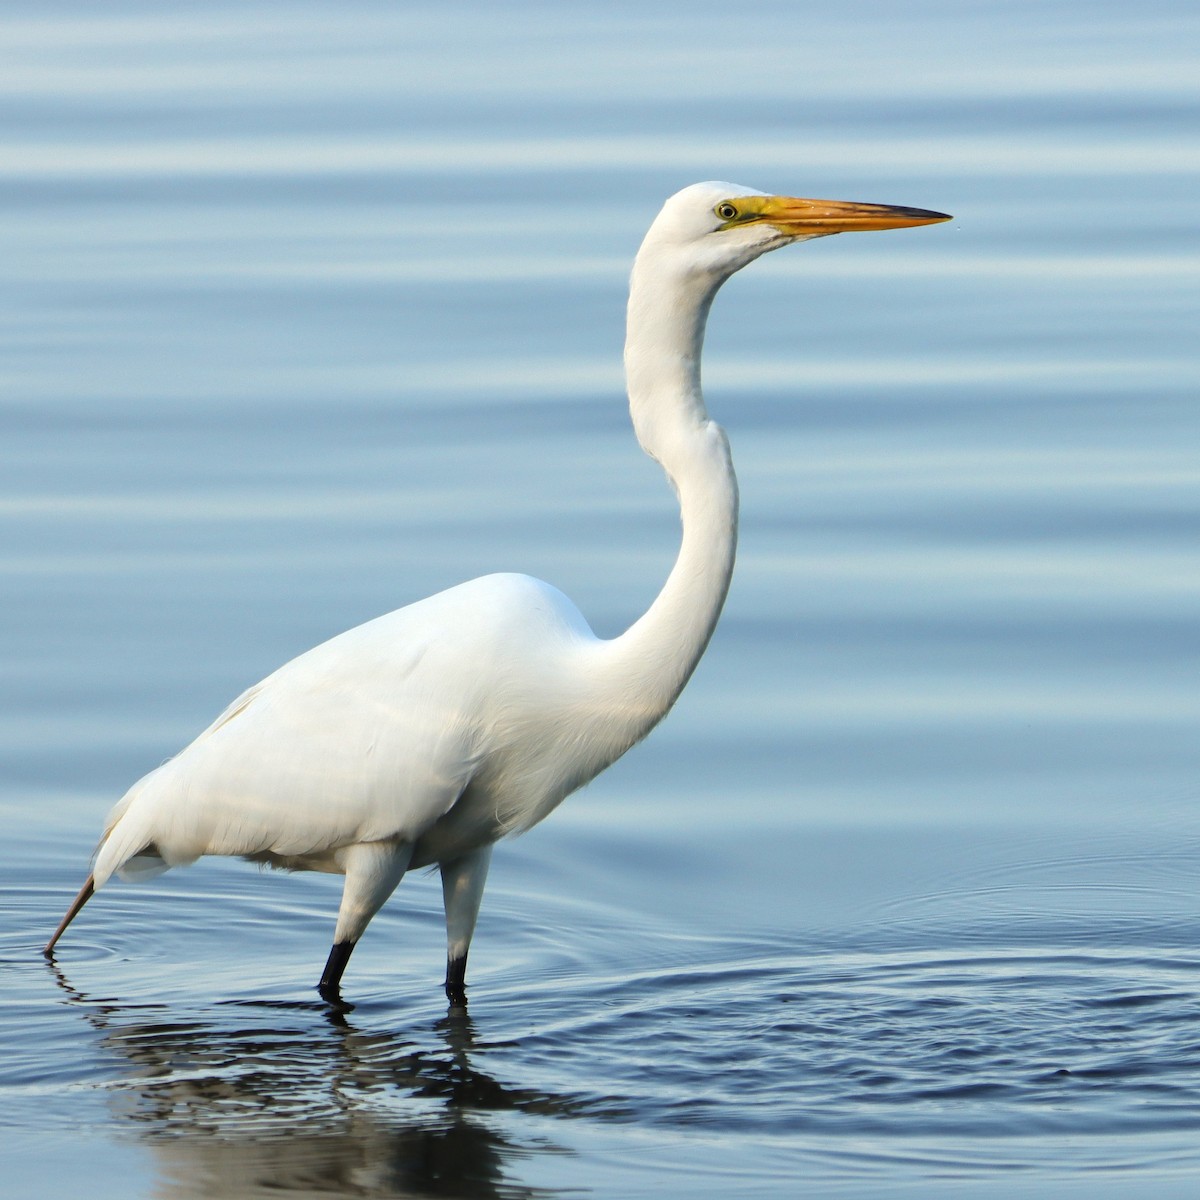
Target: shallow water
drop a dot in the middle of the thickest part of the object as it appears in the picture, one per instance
(310, 312)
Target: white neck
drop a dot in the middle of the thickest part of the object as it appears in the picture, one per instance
(649, 664)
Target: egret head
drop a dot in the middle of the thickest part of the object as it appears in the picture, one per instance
(717, 228)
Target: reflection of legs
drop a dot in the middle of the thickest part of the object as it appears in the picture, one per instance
(372, 871)
(462, 890)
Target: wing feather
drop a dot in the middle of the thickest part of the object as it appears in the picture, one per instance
(354, 741)
(373, 735)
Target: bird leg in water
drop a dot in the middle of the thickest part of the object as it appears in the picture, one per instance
(85, 894)
(335, 965)
(462, 890)
(373, 869)
(456, 981)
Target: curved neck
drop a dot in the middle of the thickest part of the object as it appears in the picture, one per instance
(650, 663)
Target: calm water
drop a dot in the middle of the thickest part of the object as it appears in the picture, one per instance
(311, 310)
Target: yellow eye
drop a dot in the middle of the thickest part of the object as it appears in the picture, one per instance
(726, 211)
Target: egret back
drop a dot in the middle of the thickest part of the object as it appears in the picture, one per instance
(376, 735)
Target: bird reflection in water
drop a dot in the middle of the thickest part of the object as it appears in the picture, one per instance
(278, 1098)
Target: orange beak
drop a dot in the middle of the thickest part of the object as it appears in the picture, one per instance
(809, 218)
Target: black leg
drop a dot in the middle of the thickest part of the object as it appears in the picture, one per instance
(456, 981)
(331, 981)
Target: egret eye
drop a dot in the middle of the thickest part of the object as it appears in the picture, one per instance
(726, 211)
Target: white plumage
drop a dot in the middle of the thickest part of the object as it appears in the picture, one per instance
(425, 735)
(373, 735)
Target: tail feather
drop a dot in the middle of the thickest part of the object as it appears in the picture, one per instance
(128, 852)
(128, 848)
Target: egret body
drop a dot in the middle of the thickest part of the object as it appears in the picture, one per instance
(424, 736)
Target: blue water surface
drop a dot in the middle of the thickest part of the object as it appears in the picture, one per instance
(311, 310)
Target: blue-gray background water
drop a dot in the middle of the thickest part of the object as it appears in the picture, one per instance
(310, 310)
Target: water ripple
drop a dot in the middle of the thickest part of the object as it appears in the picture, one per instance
(878, 1051)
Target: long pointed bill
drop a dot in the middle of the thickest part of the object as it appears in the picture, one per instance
(809, 218)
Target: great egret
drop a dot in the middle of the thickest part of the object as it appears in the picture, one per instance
(427, 734)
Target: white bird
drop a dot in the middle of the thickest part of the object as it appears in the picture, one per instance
(424, 736)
